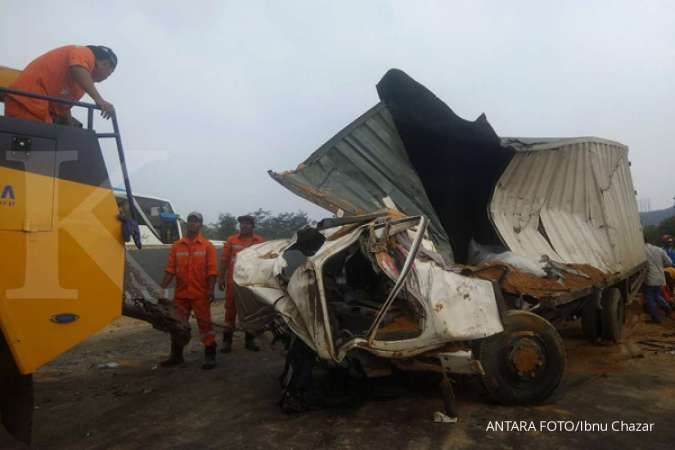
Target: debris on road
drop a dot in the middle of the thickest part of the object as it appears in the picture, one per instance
(108, 365)
(439, 417)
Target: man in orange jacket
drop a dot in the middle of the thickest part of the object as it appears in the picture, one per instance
(192, 262)
(66, 72)
(233, 245)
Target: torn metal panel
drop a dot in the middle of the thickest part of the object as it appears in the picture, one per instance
(259, 289)
(402, 276)
(571, 199)
(143, 300)
(359, 168)
(463, 308)
(414, 149)
(460, 362)
(457, 308)
(266, 267)
(451, 307)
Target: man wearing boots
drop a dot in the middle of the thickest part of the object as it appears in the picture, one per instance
(233, 245)
(192, 261)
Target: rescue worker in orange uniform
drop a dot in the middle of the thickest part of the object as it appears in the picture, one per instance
(66, 72)
(233, 245)
(192, 262)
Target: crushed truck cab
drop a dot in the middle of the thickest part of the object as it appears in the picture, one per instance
(371, 292)
(352, 273)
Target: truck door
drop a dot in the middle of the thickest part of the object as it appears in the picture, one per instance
(26, 183)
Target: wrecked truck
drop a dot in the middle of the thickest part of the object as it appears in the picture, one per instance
(453, 249)
(370, 294)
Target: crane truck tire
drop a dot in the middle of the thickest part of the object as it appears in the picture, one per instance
(16, 397)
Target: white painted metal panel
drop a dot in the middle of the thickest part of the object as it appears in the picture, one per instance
(361, 166)
(571, 199)
(456, 308)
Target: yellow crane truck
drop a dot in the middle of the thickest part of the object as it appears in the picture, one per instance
(63, 256)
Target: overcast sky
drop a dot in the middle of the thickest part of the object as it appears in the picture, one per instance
(210, 95)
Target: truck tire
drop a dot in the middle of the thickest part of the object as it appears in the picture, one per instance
(16, 405)
(613, 313)
(525, 363)
(16, 397)
(590, 320)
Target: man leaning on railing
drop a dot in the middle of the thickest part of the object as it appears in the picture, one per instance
(66, 72)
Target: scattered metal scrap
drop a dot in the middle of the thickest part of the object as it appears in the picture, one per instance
(659, 344)
(144, 300)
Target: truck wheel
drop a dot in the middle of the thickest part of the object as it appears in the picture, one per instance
(16, 397)
(16, 405)
(525, 363)
(612, 314)
(590, 321)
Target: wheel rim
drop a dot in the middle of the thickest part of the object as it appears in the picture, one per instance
(525, 357)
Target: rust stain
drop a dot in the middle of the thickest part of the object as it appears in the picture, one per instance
(400, 324)
(518, 282)
(395, 214)
(526, 358)
(438, 307)
(343, 231)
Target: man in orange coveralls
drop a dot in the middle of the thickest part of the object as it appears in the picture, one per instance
(66, 72)
(233, 245)
(193, 262)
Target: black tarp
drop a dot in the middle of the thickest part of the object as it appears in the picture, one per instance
(458, 161)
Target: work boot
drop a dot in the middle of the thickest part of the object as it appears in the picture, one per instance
(209, 357)
(250, 343)
(227, 342)
(176, 357)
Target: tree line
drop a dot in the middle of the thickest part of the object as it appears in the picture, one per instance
(268, 225)
(653, 233)
(285, 224)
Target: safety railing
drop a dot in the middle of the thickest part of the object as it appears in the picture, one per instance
(90, 107)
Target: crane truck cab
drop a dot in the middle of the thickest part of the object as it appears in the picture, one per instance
(62, 270)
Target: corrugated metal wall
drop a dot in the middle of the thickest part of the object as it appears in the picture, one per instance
(571, 199)
(359, 167)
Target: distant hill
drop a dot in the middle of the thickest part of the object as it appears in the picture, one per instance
(657, 216)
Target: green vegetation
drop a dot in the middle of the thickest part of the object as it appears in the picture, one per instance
(653, 233)
(282, 225)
